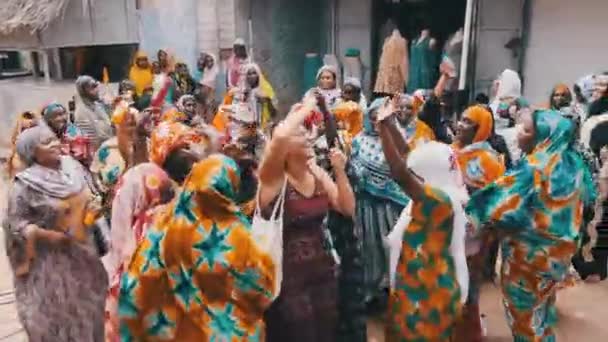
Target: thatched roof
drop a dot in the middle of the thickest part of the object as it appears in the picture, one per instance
(31, 15)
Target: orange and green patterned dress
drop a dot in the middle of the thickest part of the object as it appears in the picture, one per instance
(198, 275)
(426, 300)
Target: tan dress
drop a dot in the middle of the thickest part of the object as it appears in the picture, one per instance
(393, 67)
(62, 296)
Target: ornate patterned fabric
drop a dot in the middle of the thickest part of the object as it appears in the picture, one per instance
(138, 191)
(198, 275)
(540, 203)
(480, 164)
(168, 137)
(426, 299)
(108, 164)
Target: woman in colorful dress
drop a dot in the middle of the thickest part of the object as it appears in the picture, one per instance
(138, 192)
(73, 142)
(480, 165)
(118, 153)
(538, 208)
(141, 73)
(415, 130)
(306, 309)
(210, 282)
(379, 203)
(60, 282)
(252, 102)
(327, 85)
(431, 275)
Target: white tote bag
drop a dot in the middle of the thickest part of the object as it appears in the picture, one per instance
(268, 235)
(394, 241)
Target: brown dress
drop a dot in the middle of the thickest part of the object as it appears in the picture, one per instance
(306, 310)
(62, 296)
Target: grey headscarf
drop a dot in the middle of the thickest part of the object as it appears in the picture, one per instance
(91, 115)
(66, 181)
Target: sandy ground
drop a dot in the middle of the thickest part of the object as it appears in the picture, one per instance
(582, 308)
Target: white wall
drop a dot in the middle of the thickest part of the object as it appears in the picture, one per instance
(567, 41)
(169, 25)
(354, 24)
(102, 23)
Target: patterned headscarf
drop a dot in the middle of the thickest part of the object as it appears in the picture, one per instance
(173, 115)
(51, 107)
(369, 165)
(483, 118)
(562, 88)
(351, 115)
(169, 137)
(553, 173)
(368, 127)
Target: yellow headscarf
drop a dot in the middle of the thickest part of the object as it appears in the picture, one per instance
(141, 77)
(351, 115)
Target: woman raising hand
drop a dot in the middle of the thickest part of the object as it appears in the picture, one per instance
(306, 309)
(431, 276)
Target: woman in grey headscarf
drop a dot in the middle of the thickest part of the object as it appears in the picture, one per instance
(60, 282)
(91, 116)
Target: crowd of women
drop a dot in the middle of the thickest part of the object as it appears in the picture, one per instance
(144, 218)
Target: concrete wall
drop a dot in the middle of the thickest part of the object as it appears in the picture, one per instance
(215, 25)
(498, 22)
(186, 27)
(283, 32)
(102, 23)
(354, 24)
(170, 25)
(567, 41)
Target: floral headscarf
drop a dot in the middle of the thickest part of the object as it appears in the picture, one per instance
(351, 115)
(139, 190)
(369, 165)
(168, 137)
(553, 175)
(483, 118)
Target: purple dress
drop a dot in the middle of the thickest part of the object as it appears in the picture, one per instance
(306, 310)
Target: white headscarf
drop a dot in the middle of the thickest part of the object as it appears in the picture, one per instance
(210, 74)
(435, 162)
(509, 85)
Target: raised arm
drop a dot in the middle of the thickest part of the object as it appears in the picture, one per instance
(271, 172)
(391, 138)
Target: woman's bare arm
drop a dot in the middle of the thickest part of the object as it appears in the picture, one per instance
(346, 196)
(397, 162)
(271, 172)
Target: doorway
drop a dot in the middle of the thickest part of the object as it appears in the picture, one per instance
(442, 17)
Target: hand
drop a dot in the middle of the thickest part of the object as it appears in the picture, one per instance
(294, 120)
(386, 110)
(337, 159)
(447, 68)
(320, 101)
(315, 169)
